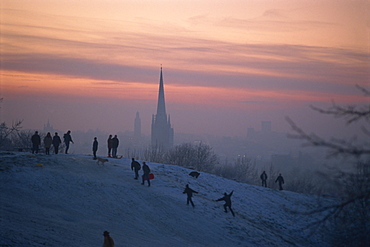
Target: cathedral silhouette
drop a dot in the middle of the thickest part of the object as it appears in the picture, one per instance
(162, 132)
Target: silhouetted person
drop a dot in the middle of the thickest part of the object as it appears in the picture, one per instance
(36, 141)
(189, 192)
(110, 145)
(135, 166)
(95, 147)
(48, 140)
(264, 179)
(227, 199)
(280, 179)
(108, 240)
(115, 143)
(146, 171)
(56, 142)
(67, 139)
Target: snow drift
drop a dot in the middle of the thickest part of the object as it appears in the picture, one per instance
(68, 200)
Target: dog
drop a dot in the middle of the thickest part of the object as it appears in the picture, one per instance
(102, 161)
(194, 174)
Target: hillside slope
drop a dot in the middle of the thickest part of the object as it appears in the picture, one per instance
(68, 200)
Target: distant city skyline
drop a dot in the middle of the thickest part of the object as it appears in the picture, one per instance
(229, 65)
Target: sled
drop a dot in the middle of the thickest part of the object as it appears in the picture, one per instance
(117, 157)
(151, 176)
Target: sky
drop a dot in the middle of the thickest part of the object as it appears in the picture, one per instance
(227, 65)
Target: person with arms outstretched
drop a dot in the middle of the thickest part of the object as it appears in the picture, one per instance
(189, 192)
(227, 199)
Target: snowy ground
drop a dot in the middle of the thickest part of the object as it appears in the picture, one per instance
(68, 200)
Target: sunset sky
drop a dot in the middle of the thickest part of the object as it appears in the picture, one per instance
(227, 65)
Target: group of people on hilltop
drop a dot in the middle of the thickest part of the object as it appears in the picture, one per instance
(56, 141)
(279, 180)
(112, 144)
(49, 140)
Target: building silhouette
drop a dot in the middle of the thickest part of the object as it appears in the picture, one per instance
(266, 126)
(48, 128)
(162, 132)
(137, 127)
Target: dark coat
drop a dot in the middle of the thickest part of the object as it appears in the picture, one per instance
(189, 191)
(36, 140)
(135, 165)
(56, 141)
(263, 176)
(226, 198)
(146, 169)
(280, 179)
(110, 142)
(67, 138)
(48, 141)
(95, 145)
(115, 142)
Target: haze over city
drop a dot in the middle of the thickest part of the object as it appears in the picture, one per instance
(227, 65)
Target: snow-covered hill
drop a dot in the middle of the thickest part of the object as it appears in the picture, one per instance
(68, 200)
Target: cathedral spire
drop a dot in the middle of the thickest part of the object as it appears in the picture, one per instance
(161, 107)
(162, 132)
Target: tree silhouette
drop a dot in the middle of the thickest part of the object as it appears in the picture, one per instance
(7, 131)
(350, 214)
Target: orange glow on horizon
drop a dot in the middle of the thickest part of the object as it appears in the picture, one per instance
(23, 83)
(237, 56)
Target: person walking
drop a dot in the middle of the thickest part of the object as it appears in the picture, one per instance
(108, 240)
(36, 141)
(135, 166)
(264, 179)
(48, 140)
(110, 145)
(227, 199)
(280, 179)
(67, 139)
(95, 147)
(115, 143)
(56, 142)
(189, 192)
(146, 171)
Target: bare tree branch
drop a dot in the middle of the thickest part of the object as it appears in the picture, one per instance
(349, 112)
(336, 146)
